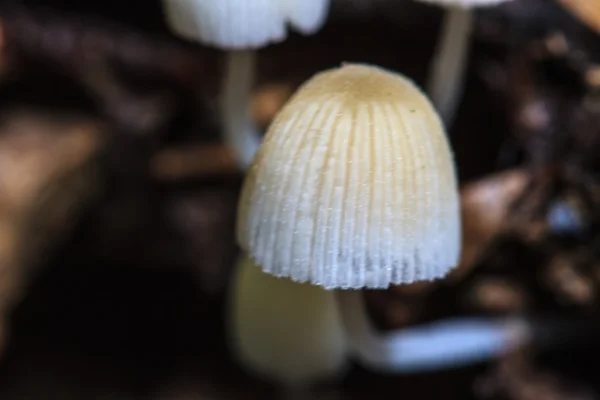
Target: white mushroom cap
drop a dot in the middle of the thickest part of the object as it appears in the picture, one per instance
(354, 185)
(243, 24)
(464, 3)
(306, 16)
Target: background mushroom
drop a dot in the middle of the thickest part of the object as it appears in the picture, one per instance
(446, 77)
(284, 331)
(241, 27)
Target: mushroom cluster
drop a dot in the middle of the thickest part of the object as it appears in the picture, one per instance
(356, 243)
(354, 186)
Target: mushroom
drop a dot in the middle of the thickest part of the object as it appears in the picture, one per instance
(241, 27)
(353, 186)
(446, 77)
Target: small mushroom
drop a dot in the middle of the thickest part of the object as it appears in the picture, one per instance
(446, 77)
(240, 27)
(283, 331)
(354, 186)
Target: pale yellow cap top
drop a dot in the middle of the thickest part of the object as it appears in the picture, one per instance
(354, 185)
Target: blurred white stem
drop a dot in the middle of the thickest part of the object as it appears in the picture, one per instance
(241, 134)
(445, 84)
(447, 343)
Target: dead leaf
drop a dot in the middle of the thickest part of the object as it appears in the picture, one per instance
(193, 162)
(484, 206)
(46, 174)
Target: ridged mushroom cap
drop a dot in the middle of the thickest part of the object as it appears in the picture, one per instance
(354, 185)
(243, 24)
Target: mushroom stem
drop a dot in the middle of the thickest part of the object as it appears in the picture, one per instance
(287, 332)
(240, 133)
(446, 77)
(447, 343)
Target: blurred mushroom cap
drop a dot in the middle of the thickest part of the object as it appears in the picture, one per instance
(354, 185)
(243, 24)
(465, 3)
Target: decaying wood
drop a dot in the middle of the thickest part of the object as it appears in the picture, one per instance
(46, 173)
(66, 40)
(196, 161)
(136, 78)
(485, 205)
